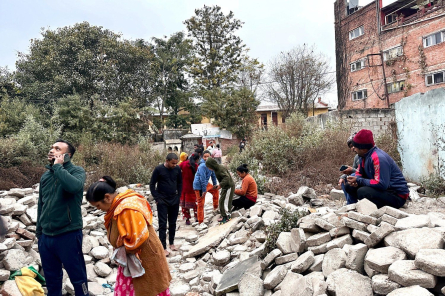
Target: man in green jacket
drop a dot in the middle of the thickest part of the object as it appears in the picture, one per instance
(59, 220)
(228, 188)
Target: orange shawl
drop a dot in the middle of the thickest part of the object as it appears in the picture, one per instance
(133, 214)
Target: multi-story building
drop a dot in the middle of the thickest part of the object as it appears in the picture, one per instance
(386, 53)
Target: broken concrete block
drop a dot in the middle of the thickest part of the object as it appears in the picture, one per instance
(380, 259)
(286, 258)
(414, 239)
(362, 218)
(340, 242)
(286, 244)
(303, 262)
(382, 285)
(333, 260)
(275, 277)
(319, 249)
(299, 239)
(317, 265)
(270, 258)
(411, 291)
(378, 235)
(318, 239)
(431, 261)
(405, 273)
(360, 235)
(389, 219)
(336, 194)
(356, 284)
(414, 221)
(339, 231)
(365, 207)
(354, 224)
(355, 257)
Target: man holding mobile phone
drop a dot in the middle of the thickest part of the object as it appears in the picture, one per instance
(59, 220)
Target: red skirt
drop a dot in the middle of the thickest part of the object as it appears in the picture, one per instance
(188, 200)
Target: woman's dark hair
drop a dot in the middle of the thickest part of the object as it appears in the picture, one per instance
(207, 151)
(217, 146)
(193, 159)
(97, 191)
(198, 151)
(242, 168)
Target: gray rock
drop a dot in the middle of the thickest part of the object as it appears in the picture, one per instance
(296, 199)
(414, 221)
(186, 267)
(188, 276)
(4, 275)
(437, 219)
(431, 261)
(355, 257)
(270, 258)
(354, 224)
(340, 242)
(286, 243)
(319, 249)
(382, 285)
(398, 214)
(307, 224)
(303, 262)
(232, 276)
(318, 239)
(369, 271)
(102, 269)
(336, 194)
(333, 260)
(405, 273)
(32, 214)
(213, 238)
(275, 277)
(380, 259)
(317, 265)
(389, 219)
(362, 218)
(286, 258)
(345, 282)
(15, 259)
(9, 288)
(365, 207)
(379, 234)
(339, 231)
(251, 285)
(304, 287)
(100, 252)
(415, 239)
(91, 274)
(269, 216)
(323, 224)
(299, 238)
(256, 210)
(306, 192)
(289, 279)
(221, 258)
(411, 291)
(95, 289)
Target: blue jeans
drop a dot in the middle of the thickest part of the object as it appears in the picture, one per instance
(66, 249)
(349, 199)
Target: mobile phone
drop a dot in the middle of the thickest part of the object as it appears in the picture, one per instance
(343, 167)
(66, 157)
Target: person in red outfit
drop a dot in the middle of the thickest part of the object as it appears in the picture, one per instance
(188, 197)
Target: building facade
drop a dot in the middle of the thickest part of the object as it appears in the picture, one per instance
(386, 53)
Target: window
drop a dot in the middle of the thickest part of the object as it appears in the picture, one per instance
(395, 86)
(356, 33)
(434, 78)
(392, 53)
(359, 95)
(433, 39)
(357, 65)
(391, 18)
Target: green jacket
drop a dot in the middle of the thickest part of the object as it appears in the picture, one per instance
(60, 198)
(222, 174)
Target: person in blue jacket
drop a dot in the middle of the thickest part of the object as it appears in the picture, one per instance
(378, 178)
(201, 186)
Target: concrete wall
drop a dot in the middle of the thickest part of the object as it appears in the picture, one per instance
(420, 123)
(379, 121)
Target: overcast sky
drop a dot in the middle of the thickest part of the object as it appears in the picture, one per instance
(269, 26)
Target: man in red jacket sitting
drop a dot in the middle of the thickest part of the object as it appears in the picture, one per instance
(378, 178)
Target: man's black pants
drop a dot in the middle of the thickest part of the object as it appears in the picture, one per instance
(242, 202)
(66, 249)
(170, 213)
(380, 198)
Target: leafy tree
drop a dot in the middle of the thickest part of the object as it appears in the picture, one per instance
(219, 52)
(171, 89)
(81, 59)
(13, 114)
(300, 76)
(233, 110)
(7, 85)
(250, 74)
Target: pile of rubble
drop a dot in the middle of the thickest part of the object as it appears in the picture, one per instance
(350, 250)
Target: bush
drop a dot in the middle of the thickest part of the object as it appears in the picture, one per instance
(287, 222)
(435, 185)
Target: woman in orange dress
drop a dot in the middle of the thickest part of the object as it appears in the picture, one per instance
(128, 221)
